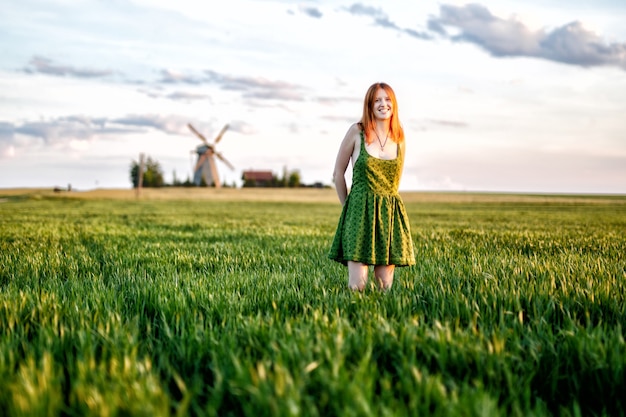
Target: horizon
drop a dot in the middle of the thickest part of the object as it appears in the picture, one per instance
(59, 190)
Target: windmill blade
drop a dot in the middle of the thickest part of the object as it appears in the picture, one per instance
(198, 134)
(219, 136)
(219, 155)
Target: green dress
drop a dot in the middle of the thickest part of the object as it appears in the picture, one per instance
(374, 227)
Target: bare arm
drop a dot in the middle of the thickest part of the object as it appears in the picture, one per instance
(343, 159)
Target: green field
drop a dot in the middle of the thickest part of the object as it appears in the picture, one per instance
(223, 302)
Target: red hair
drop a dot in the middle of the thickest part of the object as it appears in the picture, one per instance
(368, 120)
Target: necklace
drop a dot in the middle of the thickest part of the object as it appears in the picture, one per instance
(382, 145)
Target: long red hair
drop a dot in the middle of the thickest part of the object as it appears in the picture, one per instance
(368, 120)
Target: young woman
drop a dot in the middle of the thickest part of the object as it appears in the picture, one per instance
(373, 227)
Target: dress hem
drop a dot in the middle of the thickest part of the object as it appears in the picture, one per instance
(399, 263)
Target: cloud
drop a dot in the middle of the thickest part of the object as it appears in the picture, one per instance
(172, 125)
(173, 77)
(250, 87)
(43, 65)
(75, 132)
(257, 87)
(381, 19)
(569, 44)
(311, 11)
(183, 96)
(242, 127)
(360, 9)
(65, 128)
(65, 131)
(331, 101)
(417, 34)
(71, 132)
(573, 44)
(6, 131)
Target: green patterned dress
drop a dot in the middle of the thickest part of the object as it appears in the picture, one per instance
(374, 227)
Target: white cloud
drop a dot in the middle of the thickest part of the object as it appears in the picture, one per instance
(571, 43)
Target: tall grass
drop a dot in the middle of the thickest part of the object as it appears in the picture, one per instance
(230, 307)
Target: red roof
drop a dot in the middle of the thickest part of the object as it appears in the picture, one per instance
(258, 175)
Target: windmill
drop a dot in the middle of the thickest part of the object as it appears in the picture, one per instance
(206, 166)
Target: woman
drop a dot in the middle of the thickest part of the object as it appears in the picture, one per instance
(373, 227)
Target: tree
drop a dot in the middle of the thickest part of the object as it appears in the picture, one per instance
(294, 179)
(289, 179)
(175, 181)
(152, 174)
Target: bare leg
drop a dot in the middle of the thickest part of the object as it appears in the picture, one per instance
(357, 276)
(384, 276)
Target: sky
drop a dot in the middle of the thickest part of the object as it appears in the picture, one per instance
(496, 96)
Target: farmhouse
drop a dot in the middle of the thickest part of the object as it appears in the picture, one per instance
(258, 179)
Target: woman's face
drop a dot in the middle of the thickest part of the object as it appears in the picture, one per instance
(382, 106)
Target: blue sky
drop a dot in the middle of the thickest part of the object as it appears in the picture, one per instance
(494, 95)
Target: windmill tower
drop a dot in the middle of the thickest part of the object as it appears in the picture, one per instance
(206, 166)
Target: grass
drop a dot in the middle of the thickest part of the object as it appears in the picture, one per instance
(206, 302)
